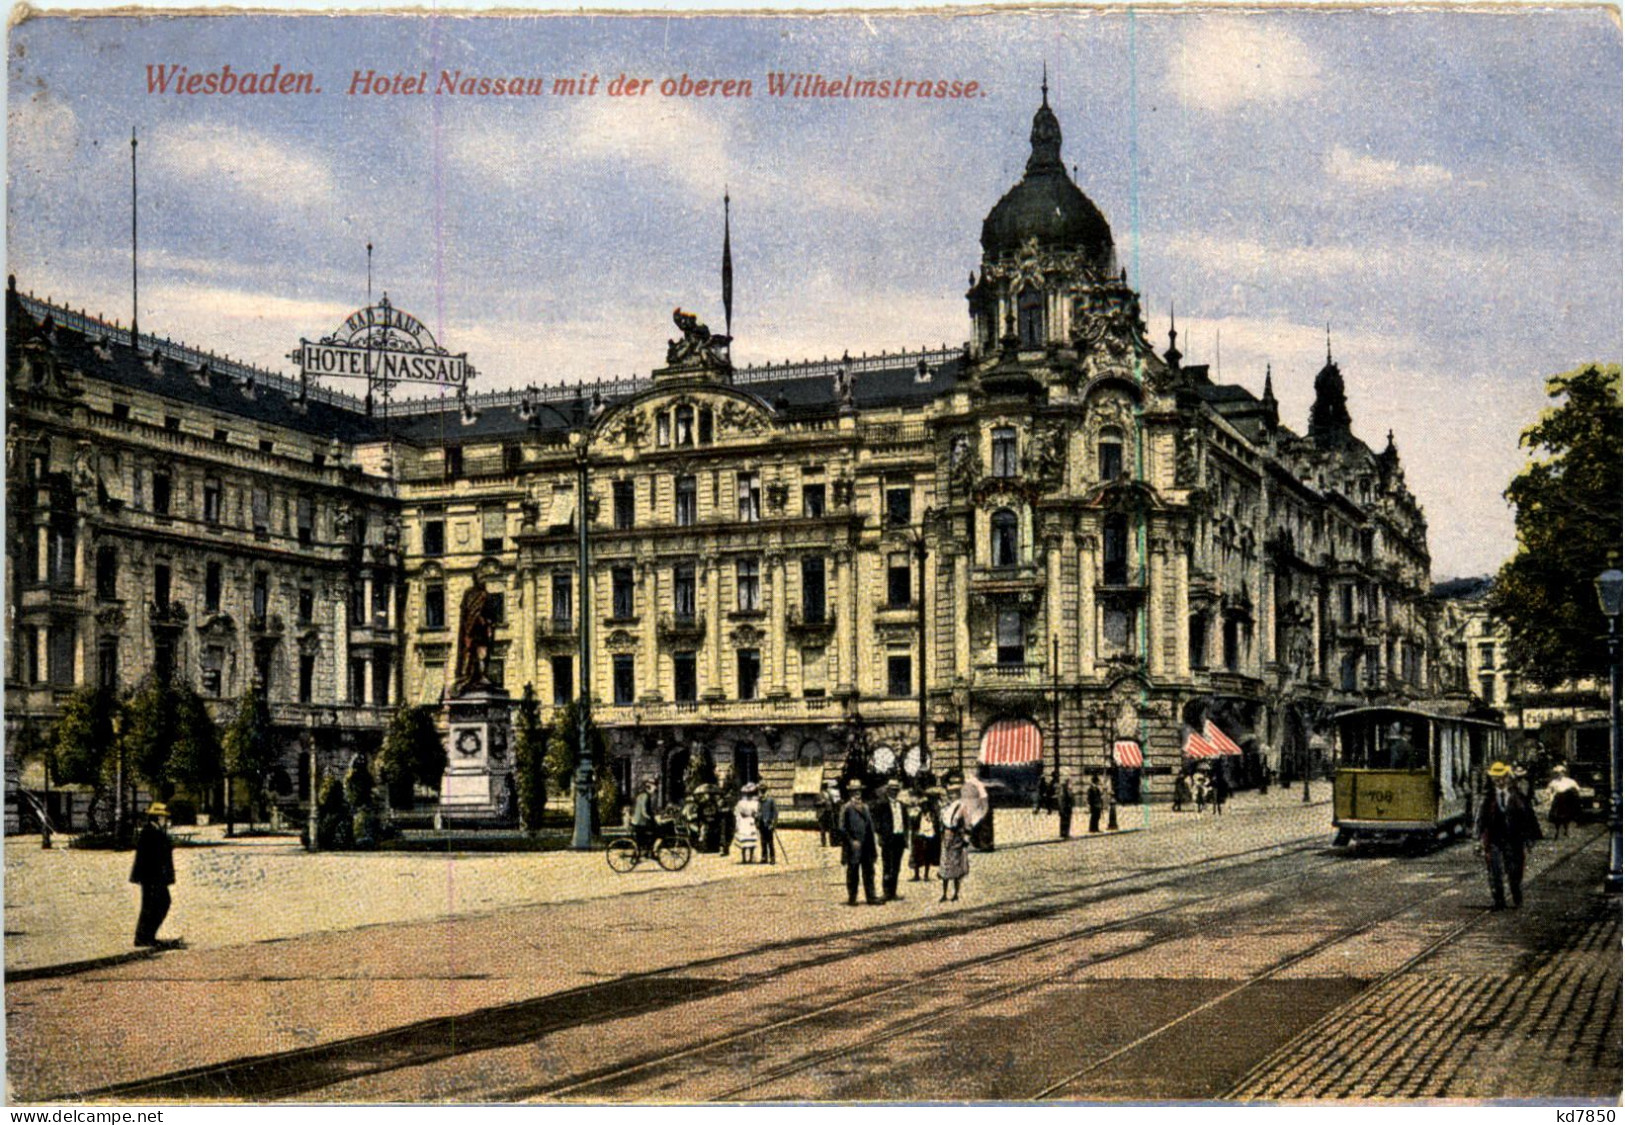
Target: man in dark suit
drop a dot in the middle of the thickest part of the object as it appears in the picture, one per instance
(857, 832)
(1096, 800)
(1064, 804)
(154, 872)
(767, 819)
(892, 831)
(1506, 824)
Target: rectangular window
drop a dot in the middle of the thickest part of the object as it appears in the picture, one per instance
(107, 573)
(434, 607)
(812, 589)
(1117, 629)
(262, 511)
(454, 462)
(687, 502)
(684, 687)
(307, 677)
(305, 520)
(1486, 656)
(625, 687)
(1012, 637)
(307, 605)
(899, 588)
(214, 662)
(899, 676)
(1111, 459)
(812, 501)
(899, 506)
(663, 429)
(1346, 594)
(262, 594)
(496, 607)
(160, 586)
(1198, 640)
(707, 425)
(1114, 553)
(358, 680)
(748, 581)
(625, 504)
(749, 664)
(562, 615)
(621, 603)
(564, 688)
(107, 662)
(212, 581)
(1004, 452)
(682, 592)
(434, 537)
(750, 497)
(513, 459)
(160, 493)
(380, 602)
(685, 425)
(1232, 645)
(380, 676)
(212, 500)
(1486, 688)
(493, 528)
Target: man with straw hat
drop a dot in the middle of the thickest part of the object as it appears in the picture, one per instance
(154, 872)
(1505, 824)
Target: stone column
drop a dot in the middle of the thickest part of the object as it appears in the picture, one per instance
(962, 641)
(649, 676)
(1088, 576)
(1052, 600)
(711, 576)
(1157, 604)
(776, 631)
(341, 643)
(1182, 610)
(846, 622)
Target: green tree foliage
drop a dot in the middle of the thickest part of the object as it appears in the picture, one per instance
(250, 750)
(1568, 518)
(413, 753)
(81, 749)
(333, 827)
(194, 758)
(358, 790)
(564, 735)
(149, 732)
(530, 754)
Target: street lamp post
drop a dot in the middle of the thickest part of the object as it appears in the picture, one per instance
(579, 428)
(1608, 593)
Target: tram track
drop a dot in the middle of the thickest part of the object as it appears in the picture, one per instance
(307, 1070)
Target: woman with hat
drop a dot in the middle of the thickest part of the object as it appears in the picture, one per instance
(956, 828)
(745, 813)
(925, 826)
(1565, 797)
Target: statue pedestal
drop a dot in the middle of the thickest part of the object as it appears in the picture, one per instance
(474, 789)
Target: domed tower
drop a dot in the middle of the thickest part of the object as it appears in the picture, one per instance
(1039, 242)
(1329, 417)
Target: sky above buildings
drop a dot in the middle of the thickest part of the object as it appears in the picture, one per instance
(1441, 188)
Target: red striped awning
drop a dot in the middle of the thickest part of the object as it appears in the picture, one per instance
(1126, 753)
(1220, 741)
(1012, 742)
(1197, 747)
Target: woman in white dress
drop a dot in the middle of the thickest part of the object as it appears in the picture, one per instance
(745, 831)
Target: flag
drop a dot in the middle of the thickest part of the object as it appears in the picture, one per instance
(1220, 741)
(727, 270)
(1196, 746)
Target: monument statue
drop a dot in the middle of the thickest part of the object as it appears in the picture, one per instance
(698, 347)
(473, 640)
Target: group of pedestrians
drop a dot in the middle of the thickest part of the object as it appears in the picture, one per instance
(756, 821)
(1208, 791)
(891, 826)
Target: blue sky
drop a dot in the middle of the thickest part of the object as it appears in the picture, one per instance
(1443, 188)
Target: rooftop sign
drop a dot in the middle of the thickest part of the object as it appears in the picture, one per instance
(385, 346)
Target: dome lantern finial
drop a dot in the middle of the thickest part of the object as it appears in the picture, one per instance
(1046, 137)
(1044, 85)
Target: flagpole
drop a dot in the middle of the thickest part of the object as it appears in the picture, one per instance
(727, 274)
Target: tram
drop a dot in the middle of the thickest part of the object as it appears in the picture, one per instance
(1409, 773)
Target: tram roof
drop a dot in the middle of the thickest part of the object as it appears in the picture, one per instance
(1418, 712)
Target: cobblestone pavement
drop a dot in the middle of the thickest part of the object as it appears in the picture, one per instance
(1204, 958)
(1526, 1000)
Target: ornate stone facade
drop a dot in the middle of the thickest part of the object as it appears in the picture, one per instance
(1113, 546)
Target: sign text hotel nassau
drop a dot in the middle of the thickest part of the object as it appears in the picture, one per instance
(383, 345)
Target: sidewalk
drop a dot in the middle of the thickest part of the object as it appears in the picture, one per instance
(66, 909)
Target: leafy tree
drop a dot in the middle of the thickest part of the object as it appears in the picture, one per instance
(250, 749)
(563, 737)
(148, 733)
(1568, 519)
(80, 749)
(530, 753)
(333, 828)
(358, 790)
(194, 758)
(413, 754)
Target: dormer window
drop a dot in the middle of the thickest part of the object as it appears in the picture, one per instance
(1030, 318)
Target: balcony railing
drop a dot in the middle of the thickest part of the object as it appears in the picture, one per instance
(681, 626)
(801, 621)
(1010, 674)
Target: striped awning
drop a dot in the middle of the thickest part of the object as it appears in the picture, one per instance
(1220, 741)
(1197, 747)
(1126, 753)
(1012, 742)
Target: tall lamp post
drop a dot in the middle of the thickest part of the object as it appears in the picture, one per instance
(926, 519)
(579, 428)
(1608, 593)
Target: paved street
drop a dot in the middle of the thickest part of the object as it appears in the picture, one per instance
(1195, 958)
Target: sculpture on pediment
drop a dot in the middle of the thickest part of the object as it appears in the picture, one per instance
(635, 428)
(734, 416)
(698, 347)
(843, 384)
(1048, 452)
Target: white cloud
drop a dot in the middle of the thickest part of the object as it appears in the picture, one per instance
(1376, 174)
(213, 157)
(42, 132)
(1222, 62)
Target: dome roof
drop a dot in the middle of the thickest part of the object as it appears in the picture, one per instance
(1047, 205)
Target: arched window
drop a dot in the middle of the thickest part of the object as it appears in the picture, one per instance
(1005, 538)
(1110, 447)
